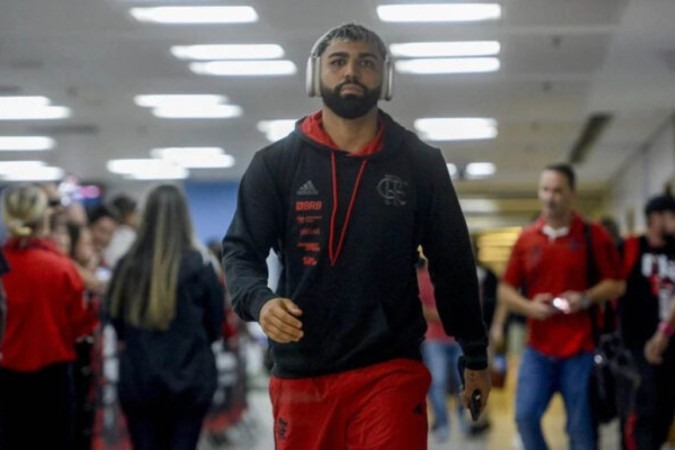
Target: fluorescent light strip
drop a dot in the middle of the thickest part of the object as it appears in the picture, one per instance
(184, 106)
(430, 66)
(45, 113)
(244, 68)
(244, 51)
(444, 49)
(195, 157)
(456, 129)
(147, 169)
(34, 101)
(441, 12)
(34, 173)
(276, 129)
(480, 170)
(25, 143)
(7, 167)
(179, 100)
(30, 108)
(198, 112)
(195, 14)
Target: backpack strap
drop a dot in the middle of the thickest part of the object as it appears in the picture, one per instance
(592, 279)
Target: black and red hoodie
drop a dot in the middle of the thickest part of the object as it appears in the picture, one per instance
(347, 228)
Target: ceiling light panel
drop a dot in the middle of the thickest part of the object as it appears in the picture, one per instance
(7, 167)
(29, 171)
(147, 169)
(439, 12)
(244, 68)
(198, 112)
(195, 157)
(32, 101)
(31, 108)
(276, 129)
(233, 51)
(480, 170)
(456, 129)
(185, 106)
(430, 66)
(195, 14)
(445, 49)
(25, 143)
(170, 100)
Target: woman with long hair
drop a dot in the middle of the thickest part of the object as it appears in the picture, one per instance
(45, 316)
(167, 307)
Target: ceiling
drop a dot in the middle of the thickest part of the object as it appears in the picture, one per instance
(562, 61)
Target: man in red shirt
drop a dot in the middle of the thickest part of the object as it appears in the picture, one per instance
(547, 281)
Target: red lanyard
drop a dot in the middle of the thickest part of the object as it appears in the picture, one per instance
(334, 254)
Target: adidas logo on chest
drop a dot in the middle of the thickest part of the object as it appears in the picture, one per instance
(308, 189)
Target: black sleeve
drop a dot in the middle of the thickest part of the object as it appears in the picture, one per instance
(446, 243)
(4, 266)
(214, 303)
(256, 226)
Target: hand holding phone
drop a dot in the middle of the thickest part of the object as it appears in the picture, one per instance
(561, 304)
(476, 396)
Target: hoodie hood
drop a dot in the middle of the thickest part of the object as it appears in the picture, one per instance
(311, 127)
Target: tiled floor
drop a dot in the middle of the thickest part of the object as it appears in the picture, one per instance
(255, 432)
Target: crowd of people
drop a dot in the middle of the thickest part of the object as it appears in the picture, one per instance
(66, 272)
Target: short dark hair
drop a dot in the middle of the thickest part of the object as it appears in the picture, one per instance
(349, 32)
(101, 211)
(567, 171)
(659, 203)
(123, 205)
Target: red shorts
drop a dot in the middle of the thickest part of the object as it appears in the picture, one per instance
(380, 407)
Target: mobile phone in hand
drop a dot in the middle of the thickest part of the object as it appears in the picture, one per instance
(476, 396)
(561, 304)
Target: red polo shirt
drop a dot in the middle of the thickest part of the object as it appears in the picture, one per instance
(539, 264)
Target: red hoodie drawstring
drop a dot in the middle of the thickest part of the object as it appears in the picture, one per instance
(334, 254)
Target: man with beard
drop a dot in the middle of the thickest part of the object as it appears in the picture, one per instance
(345, 201)
(646, 317)
(547, 280)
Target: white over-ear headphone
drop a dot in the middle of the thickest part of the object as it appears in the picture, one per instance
(313, 80)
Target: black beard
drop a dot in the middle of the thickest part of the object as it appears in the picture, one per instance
(350, 106)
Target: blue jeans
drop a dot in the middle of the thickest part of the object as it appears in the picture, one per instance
(539, 377)
(441, 360)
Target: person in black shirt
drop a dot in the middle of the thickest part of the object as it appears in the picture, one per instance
(647, 303)
(167, 307)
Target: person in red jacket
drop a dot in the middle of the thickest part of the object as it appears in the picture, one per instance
(45, 315)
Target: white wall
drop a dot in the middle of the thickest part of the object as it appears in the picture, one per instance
(644, 175)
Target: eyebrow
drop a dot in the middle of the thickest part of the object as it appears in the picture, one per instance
(361, 55)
